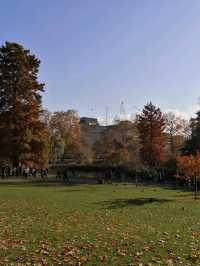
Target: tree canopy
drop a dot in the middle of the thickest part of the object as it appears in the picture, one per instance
(151, 127)
(22, 131)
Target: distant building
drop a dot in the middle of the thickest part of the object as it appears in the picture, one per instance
(90, 131)
(89, 121)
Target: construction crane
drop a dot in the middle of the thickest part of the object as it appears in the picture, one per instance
(122, 114)
(107, 118)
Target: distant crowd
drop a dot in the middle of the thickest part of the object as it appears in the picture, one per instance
(7, 171)
(101, 175)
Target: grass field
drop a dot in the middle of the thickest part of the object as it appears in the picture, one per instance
(52, 224)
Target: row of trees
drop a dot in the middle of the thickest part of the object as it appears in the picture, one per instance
(188, 164)
(31, 135)
(151, 140)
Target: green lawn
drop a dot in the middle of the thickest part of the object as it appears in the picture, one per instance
(49, 224)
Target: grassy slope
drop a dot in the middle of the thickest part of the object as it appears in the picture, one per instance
(97, 225)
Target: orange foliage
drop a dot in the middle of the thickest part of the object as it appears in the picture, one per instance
(151, 127)
(188, 166)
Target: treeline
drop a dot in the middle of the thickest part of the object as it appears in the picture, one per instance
(30, 135)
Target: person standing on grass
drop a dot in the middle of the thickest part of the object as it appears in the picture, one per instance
(26, 172)
(41, 172)
(58, 174)
(46, 172)
(66, 176)
(4, 173)
(34, 172)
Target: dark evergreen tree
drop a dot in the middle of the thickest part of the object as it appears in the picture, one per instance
(192, 144)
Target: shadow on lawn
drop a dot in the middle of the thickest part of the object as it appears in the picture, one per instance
(121, 203)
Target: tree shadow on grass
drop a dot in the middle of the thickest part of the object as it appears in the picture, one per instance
(122, 203)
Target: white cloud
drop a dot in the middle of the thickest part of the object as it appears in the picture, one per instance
(187, 114)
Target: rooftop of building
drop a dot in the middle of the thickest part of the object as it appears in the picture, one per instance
(89, 121)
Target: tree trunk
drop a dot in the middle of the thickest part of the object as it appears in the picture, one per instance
(15, 161)
(172, 144)
(195, 192)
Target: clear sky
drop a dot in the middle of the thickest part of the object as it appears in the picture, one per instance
(97, 53)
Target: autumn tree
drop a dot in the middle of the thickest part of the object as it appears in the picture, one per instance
(118, 144)
(66, 126)
(176, 129)
(45, 116)
(56, 147)
(151, 126)
(188, 168)
(22, 133)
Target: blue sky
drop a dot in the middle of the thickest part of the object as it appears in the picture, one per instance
(97, 53)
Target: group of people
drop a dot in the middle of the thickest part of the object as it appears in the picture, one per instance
(24, 171)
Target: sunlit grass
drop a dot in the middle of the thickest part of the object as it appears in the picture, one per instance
(97, 225)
